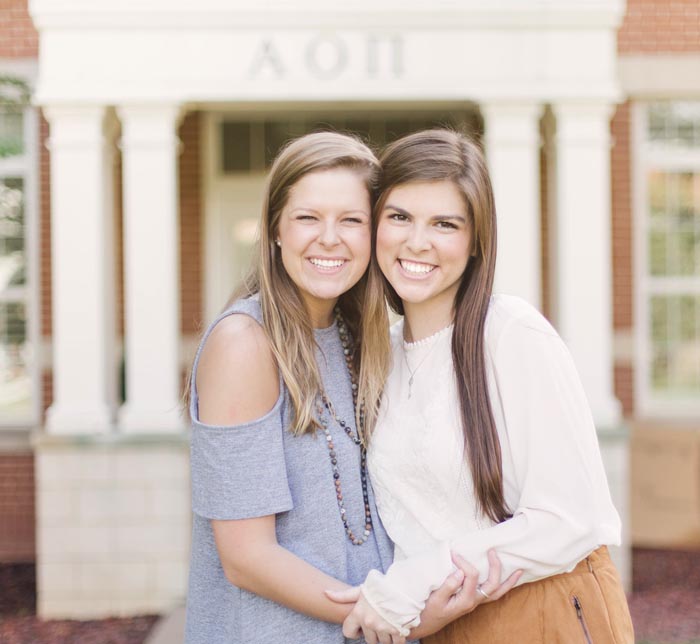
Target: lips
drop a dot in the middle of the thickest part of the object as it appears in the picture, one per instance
(417, 269)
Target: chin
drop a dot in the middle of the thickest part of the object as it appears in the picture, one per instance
(328, 294)
(413, 295)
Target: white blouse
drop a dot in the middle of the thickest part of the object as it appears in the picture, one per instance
(553, 476)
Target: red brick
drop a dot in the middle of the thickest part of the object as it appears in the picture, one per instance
(660, 27)
(17, 530)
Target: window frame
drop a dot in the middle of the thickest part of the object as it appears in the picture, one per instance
(26, 166)
(647, 155)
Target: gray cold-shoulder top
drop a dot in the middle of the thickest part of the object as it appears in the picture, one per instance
(260, 468)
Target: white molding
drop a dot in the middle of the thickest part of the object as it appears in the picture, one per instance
(548, 14)
(671, 158)
(660, 75)
(326, 56)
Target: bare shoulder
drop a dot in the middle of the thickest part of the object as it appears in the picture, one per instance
(237, 379)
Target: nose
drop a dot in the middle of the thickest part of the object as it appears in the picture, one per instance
(418, 239)
(329, 234)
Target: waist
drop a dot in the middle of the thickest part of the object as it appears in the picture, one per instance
(599, 558)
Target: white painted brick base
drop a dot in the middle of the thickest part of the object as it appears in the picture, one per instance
(614, 447)
(113, 527)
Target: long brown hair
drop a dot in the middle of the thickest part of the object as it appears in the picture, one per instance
(444, 155)
(285, 319)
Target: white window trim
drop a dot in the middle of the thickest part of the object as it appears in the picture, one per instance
(27, 166)
(643, 155)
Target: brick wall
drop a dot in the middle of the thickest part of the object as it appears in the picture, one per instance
(17, 533)
(18, 38)
(656, 26)
(622, 246)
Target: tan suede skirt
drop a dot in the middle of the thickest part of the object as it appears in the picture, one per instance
(584, 606)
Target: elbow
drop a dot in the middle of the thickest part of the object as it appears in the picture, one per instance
(236, 574)
(582, 536)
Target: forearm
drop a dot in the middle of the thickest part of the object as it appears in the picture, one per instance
(275, 573)
(538, 543)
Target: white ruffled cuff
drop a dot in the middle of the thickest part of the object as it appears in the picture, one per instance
(399, 596)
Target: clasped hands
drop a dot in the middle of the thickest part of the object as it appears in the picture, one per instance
(459, 594)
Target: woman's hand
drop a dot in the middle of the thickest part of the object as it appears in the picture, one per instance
(459, 594)
(364, 619)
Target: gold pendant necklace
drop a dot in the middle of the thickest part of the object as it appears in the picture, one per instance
(435, 338)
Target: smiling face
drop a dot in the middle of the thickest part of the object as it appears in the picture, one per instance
(325, 237)
(424, 237)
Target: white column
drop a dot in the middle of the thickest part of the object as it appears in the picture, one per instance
(512, 149)
(82, 270)
(584, 263)
(151, 268)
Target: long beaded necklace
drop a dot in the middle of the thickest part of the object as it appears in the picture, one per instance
(323, 404)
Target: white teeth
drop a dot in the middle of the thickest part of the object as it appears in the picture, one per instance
(326, 263)
(413, 267)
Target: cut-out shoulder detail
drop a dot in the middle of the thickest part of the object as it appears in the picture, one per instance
(236, 379)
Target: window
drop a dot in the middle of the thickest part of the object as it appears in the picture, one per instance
(18, 369)
(668, 177)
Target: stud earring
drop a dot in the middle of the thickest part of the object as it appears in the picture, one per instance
(278, 242)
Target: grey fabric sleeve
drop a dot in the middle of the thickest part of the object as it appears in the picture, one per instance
(239, 472)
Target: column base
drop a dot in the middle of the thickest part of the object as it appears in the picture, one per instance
(61, 419)
(113, 528)
(614, 448)
(139, 420)
(607, 413)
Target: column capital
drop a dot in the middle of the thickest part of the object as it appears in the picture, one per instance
(150, 124)
(73, 111)
(75, 126)
(511, 122)
(584, 108)
(532, 109)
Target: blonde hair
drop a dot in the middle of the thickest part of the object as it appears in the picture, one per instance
(285, 318)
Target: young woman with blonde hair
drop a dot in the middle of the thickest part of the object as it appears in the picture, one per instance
(281, 513)
(484, 439)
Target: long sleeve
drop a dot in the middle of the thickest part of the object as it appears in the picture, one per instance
(551, 454)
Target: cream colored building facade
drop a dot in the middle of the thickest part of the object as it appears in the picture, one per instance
(112, 480)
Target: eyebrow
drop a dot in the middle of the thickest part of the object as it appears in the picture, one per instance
(402, 211)
(317, 212)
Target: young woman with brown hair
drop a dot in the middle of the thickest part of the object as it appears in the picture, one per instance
(484, 439)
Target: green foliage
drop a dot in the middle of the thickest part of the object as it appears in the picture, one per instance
(13, 91)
